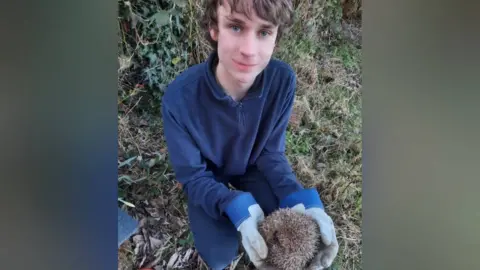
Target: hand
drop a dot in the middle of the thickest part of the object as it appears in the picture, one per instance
(328, 252)
(252, 241)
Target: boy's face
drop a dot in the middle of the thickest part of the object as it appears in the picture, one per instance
(244, 46)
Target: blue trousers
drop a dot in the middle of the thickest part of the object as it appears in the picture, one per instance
(217, 242)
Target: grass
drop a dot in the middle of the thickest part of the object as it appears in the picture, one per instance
(349, 55)
(323, 146)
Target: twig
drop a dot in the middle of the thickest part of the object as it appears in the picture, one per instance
(138, 101)
(126, 203)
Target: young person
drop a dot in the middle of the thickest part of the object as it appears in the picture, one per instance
(225, 122)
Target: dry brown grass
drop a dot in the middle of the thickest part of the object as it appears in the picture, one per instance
(325, 149)
(351, 9)
(201, 47)
(125, 256)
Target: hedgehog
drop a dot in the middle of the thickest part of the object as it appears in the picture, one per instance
(292, 239)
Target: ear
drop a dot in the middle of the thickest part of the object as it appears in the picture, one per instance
(213, 34)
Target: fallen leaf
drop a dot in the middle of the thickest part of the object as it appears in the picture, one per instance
(172, 261)
(155, 243)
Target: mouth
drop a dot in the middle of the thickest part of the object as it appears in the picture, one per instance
(243, 66)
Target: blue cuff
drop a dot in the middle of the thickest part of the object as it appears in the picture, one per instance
(237, 210)
(308, 197)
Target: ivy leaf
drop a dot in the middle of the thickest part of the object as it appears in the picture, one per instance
(162, 18)
(180, 3)
(176, 60)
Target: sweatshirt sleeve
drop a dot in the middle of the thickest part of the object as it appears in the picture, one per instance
(199, 184)
(273, 162)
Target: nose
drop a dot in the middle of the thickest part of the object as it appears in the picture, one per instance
(248, 45)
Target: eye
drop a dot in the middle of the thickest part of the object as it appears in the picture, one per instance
(264, 33)
(235, 28)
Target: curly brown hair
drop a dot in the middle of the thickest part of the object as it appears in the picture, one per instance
(277, 12)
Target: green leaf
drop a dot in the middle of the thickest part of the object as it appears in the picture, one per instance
(126, 203)
(187, 241)
(152, 162)
(125, 178)
(180, 3)
(161, 18)
(121, 193)
(176, 60)
(182, 242)
(127, 162)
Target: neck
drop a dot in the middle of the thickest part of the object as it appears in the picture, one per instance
(234, 88)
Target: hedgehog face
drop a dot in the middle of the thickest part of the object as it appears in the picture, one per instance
(292, 239)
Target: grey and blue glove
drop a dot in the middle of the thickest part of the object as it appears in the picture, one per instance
(307, 201)
(245, 213)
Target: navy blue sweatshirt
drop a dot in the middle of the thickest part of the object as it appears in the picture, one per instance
(211, 137)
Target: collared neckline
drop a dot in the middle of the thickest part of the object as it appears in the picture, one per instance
(255, 91)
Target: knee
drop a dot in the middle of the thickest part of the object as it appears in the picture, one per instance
(216, 241)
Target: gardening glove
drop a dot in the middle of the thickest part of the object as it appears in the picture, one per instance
(307, 201)
(328, 251)
(245, 214)
(252, 241)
